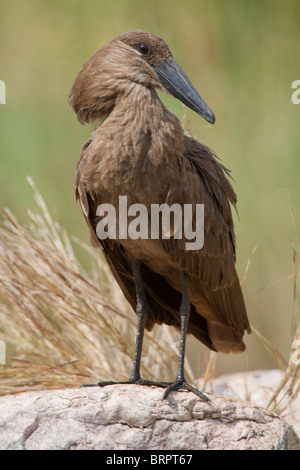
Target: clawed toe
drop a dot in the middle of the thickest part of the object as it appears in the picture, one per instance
(170, 386)
(130, 381)
(101, 384)
(182, 385)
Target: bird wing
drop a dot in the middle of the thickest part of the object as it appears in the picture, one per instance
(211, 269)
(163, 300)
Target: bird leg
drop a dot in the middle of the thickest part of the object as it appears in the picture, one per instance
(180, 382)
(141, 311)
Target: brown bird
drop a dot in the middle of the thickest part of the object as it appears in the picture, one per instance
(139, 150)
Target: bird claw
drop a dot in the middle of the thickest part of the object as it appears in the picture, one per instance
(150, 383)
(130, 381)
(170, 386)
(182, 385)
(101, 384)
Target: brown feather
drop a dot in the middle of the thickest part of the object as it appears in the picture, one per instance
(140, 151)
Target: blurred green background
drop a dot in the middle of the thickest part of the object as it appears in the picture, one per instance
(241, 55)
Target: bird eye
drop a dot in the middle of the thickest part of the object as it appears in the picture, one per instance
(143, 48)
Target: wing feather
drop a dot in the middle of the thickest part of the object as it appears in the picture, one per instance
(163, 300)
(218, 314)
(211, 270)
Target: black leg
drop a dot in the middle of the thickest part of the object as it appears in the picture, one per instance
(180, 382)
(141, 311)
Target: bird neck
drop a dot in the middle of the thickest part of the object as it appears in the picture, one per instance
(145, 127)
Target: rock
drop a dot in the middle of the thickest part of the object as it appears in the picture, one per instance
(131, 417)
(258, 387)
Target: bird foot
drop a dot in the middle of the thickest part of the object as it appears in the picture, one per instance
(150, 383)
(170, 386)
(182, 385)
(136, 382)
(101, 384)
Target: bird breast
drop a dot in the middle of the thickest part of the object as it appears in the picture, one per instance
(136, 151)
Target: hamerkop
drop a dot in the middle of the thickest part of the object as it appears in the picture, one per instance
(139, 150)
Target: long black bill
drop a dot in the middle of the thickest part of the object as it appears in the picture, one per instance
(173, 78)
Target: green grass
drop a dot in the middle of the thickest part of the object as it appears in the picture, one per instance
(242, 56)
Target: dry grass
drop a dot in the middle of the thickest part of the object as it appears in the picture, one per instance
(62, 326)
(289, 387)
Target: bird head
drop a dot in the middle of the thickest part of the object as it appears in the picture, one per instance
(133, 57)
